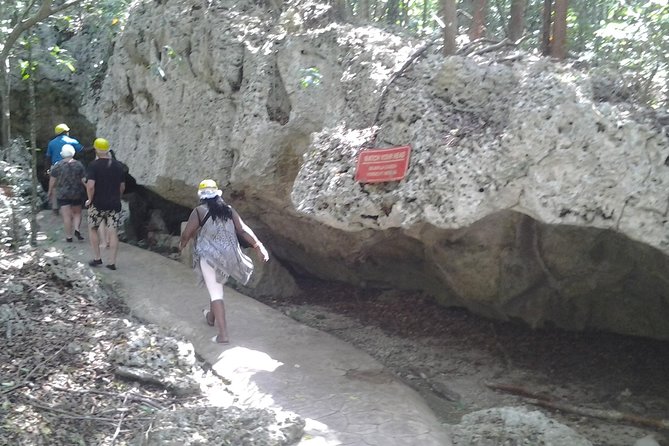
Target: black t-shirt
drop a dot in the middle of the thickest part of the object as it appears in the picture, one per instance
(108, 175)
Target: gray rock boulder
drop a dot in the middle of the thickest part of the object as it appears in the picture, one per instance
(528, 195)
(513, 425)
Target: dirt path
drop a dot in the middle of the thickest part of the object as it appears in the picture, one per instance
(449, 355)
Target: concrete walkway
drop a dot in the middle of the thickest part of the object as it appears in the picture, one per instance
(346, 397)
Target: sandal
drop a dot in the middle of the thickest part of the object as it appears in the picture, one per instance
(205, 313)
(216, 342)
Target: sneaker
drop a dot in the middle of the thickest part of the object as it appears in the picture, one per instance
(77, 234)
(68, 239)
(112, 267)
(95, 262)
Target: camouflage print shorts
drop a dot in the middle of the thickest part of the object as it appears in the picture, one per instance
(111, 218)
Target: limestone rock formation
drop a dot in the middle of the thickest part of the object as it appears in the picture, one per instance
(529, 194)
(514, 425)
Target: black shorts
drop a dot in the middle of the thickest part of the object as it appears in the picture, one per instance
(68, 202)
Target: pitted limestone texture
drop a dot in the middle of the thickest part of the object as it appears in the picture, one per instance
(513, 425)
(150, 355)
(230, 425)
(509, 159)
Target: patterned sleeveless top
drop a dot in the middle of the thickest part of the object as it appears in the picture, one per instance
(216, 243)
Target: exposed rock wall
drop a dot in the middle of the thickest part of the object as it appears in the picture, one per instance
(525, 197)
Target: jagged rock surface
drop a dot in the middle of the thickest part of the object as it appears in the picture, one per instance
(514, 425)
(529, 194)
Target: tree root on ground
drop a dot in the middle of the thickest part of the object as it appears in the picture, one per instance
(609, 415)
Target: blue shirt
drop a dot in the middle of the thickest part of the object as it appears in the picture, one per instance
(56, 145)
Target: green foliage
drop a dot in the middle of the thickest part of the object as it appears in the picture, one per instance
(629, 36)
(62, 58)
(310, 77)
(633, 39)
(108, 15)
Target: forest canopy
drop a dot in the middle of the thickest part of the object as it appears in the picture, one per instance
(630, 37)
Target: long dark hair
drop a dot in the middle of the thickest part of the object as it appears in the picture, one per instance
(218, 208)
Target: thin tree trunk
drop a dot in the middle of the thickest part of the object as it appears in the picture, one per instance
(477, 28)
(404, 13)
(363, 10)
(546, 27)
(392, 11)
(33, 147)
(5, 89)
(559, 43)
(425, 13)
(517, 19)
(449, 13)
(340, 11)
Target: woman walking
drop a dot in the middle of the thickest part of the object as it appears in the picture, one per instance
(66, 181)
(216, 251)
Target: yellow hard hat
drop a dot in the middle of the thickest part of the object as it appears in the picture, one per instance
(207, 184)
(61, 128)
(101, 144)
(208, 189)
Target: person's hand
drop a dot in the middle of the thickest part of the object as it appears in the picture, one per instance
(262, 251)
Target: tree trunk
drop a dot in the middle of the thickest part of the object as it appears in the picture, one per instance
(477, 28)
(404, 13)
(392, 11)
(449, 13)
(33, 150)
(340, 10)
(547, 20)
(559, 42)
(363, 10)
(426, 9)
(4, 95)
(517, 19)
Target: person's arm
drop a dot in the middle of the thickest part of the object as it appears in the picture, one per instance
(191, 228)
(52, 186)
(246, 232)
(90, 191)
(47, 157)
(122, 187)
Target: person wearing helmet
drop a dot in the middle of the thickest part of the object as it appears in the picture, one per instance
(56, 144)
(217, 255)
(54, 149)
(66, 184)
(105, 184)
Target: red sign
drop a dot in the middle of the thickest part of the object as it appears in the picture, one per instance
(379, 165)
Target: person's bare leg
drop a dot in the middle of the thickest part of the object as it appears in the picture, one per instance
(94, 241)
(216, 300)
(112, 233)
(66, 213)
(104, 237)
(54, 204)
(76, 217)
(218, 309)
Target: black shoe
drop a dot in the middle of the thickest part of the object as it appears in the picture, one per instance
(95, 262)
(77, 234)
(68, 239)
(112, 267)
